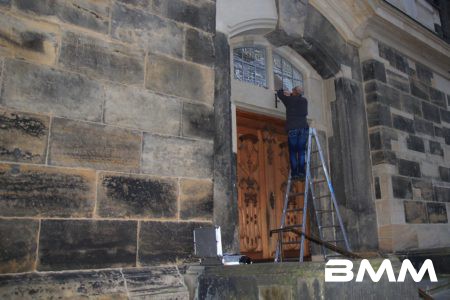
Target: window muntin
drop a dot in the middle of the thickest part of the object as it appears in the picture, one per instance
(250, 65)
(285, 75)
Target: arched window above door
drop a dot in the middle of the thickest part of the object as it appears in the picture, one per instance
(254, 64)
(285, 75)
(250, 65)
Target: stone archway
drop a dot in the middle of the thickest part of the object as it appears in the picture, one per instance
(304, 29)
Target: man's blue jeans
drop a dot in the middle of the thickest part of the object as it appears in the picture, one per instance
(297, 139)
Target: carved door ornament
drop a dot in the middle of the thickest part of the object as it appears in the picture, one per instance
(248, 167)
(269, 139)
(272, 200)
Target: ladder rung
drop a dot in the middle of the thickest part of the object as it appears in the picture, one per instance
(334, 241)
(329, 226)
(334, 255)
(293, 226)
(296, 194)
(314, 151)
(291, 243)
(319, 181)
(324, 196)
(316, 167)
(324, 211)
(287, 228)
(291, 259)
(294, 209)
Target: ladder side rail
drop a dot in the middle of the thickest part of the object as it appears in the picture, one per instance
(279, 251)
(305, 195)
(333, 197)
(318, 216)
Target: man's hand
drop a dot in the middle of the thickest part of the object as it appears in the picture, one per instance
(286, 93)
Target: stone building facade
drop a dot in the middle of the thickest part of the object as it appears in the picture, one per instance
(106, 141)
(118, 131)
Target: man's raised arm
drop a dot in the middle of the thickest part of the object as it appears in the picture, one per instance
(281, 95)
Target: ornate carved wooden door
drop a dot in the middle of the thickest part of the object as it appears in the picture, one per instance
(262, 171)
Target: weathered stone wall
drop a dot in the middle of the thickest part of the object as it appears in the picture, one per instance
(409, 127)
(106, 132)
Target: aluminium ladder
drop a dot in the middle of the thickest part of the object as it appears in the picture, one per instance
(327, 216)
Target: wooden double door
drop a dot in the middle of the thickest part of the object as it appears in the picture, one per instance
(262, 173)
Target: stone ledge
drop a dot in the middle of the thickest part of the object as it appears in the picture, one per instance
(161, 282)
(294, 281)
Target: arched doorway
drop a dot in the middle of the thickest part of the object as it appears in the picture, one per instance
(260, 140)
(316, 41)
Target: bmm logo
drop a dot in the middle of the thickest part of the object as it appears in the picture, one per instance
(344, 267)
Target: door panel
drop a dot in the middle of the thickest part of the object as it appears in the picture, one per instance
(250, 191)
(263, 168)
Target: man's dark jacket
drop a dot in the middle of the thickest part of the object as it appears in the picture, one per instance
(296, 110)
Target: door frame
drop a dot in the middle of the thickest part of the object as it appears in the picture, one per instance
(259, 121)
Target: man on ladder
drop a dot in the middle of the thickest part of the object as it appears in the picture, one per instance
(329, 222)
(297, 128)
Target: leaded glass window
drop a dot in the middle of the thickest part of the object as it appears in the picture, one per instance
(285, 75)
(250, 65)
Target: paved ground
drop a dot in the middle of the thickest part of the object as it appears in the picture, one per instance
(439, 290)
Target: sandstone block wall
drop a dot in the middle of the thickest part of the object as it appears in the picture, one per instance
(106, 132)
(409, 128)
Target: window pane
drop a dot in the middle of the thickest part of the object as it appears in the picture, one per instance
(260, 77)
(238, 74)
(278, 81)
(285, 75)
(249, 73)
(248, 55)
(250, 65)
(298, 83)
(287, 68)
(287, 84)
(297, 75)
(260, 57)
(276, 63)
(237, 53)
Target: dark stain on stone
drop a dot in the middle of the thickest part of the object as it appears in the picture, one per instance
(401, 187)
(415, 212)
(86, 244)
(18, 154)
(28, 125)
(436, 149)
(33, 41)
(17, 246)
(377, 188)
(163, 242)
(198, 121)
(141, 195)
(40, 192)
(437, 212)
(28, 40)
